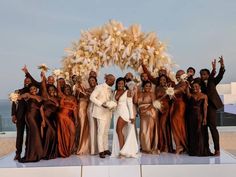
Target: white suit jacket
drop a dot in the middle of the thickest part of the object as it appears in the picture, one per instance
(101, 94)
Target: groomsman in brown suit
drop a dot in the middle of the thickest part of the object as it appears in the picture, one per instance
(18, 112)
(208, 86)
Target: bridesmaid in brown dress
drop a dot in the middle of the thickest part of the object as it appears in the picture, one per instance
(66, 120)
(50, 107)
(148, 119)
(177, 114)
(34, 148)
(196, 119)
(165, 138)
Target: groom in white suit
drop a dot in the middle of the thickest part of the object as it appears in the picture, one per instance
(101, 94)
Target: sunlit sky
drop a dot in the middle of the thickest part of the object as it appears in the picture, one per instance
(34, 32)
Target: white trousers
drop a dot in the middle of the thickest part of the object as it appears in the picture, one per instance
(102, 134)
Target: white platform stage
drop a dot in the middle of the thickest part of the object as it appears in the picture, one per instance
(164, 165)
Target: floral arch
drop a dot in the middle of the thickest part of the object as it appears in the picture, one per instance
(114, 44)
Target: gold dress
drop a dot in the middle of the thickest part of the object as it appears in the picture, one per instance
(83, 126)
(148, 123)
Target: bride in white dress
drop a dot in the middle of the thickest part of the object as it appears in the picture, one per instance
(124, 136)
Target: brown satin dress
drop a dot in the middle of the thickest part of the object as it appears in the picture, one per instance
(177, 116)
(197, 133)
(66, 127)
(165, 138)
(84, 138)
(50, 131)
(34, 147)
(148, 124)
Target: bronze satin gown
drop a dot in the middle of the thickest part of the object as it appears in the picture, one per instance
(177, 116)
(66, 127)
(50, 131)
(34, 147)
(148, 124)
(84, 138)
(165, 138)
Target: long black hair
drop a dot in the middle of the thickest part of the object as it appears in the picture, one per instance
(118, 80)
(145, 83)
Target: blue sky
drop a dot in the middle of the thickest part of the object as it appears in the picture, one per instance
(34, 32)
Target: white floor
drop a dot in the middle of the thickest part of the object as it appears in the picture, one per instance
(168, 165)
(144, 159)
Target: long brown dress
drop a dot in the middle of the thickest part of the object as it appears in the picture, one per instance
(84, 138)
(50, 108)
(148, 123)
(34, 148)
(197, 132)
(66, 126)
(50, 150)
(165, 138)
(177, 116)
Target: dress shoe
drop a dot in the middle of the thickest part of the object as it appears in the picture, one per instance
(17, 157)
(107, 152)
(102, 155)
(217, 153)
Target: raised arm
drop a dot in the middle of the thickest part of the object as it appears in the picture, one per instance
(219, 77)
(44, 87)
(150, 77)
(60, 93)
(27, 74)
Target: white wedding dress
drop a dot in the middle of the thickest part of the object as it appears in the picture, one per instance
(124, 110)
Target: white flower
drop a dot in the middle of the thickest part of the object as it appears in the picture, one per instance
(43, 67)
(14, 97)
(170, 92)
(157, 104)
(183, 77)
(131, 85)
(57, 72)
(111, 104)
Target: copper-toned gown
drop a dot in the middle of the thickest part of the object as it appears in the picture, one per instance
(177, 116)
(34, 148)
(84, 138)
(165, 138)
(148, 124)
(50, 131)
(66, 127)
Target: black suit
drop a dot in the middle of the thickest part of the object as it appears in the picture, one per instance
(214, 103)
(19, 110)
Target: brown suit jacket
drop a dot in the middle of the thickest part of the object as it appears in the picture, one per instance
(210, 89)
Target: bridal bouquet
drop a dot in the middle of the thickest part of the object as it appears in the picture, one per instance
(184, 77)
(43, 68)
(170, 92)
(131, 85)
(157, 104)
(111, 104)
(14, 97)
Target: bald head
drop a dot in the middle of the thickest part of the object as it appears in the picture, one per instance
(110, 79)
(129, 77)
